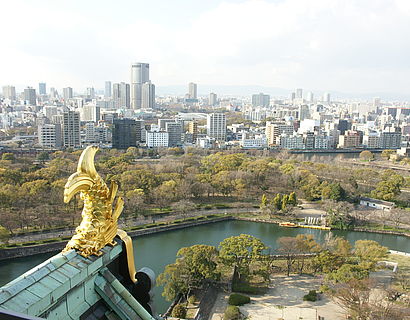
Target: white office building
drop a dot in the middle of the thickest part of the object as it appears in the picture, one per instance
(157, 139)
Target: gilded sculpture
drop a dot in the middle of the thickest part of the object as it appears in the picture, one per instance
(99, 218)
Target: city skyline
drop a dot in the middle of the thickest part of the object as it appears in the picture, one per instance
(347, 46)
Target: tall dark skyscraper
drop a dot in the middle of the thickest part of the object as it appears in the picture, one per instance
(124, 133)
(139, 75)
(42, 88)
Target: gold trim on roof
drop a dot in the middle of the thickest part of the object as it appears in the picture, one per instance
(99, 219)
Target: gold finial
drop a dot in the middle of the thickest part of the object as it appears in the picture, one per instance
(99, 221)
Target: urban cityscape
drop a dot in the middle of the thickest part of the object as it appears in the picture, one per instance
(205, 160)
(124, 115)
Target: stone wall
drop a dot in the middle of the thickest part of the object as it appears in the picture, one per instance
(57, 246)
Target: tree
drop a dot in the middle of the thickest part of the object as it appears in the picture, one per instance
(264, 202)
(389, 187)
(183, 206)
(397, 215)
(8, 156)
(305, 243)
(292, 199)
(338, 213)
(285, 201)
(369, 252)
(43, 156)
(359, 299)
(4, 234)
(288, 246)
(366, 155)
(193, 266)
(333, 191)
(387, 153)
(240, 251)
(277, 201)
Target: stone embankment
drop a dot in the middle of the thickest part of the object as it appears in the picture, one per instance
(25, 251)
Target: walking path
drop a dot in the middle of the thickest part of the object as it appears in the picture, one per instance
(49, 234)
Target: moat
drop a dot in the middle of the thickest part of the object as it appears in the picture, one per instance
(157, 250)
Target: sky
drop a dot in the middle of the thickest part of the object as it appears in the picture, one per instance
(344, 45)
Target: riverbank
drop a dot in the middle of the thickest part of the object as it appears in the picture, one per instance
(50, 245)
(29, 250)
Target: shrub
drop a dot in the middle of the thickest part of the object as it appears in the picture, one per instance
(236, 299)
(191, 299)
(311, 296)
(231, 313)
(179, 311)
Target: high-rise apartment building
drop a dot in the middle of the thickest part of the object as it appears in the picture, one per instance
(193, 129)
(274, 130)
(304, 112)
(326, 97)
(299, 93)
(124, 133)
(213, 99)
(309, 96)
(90, 93)
(42, 89)
(121, 95)
(174, 130)
(71, 129)
(9, 92)
(139, 75)
(49, 135)
(53, 93)
(260, 100)
(216, 126)
(148, 95)
(107, 90)
(90, 112)
(67, 93)
(192, 90)
(30, 96)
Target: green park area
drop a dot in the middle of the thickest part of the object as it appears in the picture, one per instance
(182, 183)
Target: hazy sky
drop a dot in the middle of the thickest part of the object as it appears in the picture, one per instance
(345, 45)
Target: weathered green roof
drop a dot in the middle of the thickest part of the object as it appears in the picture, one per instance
(62, 287)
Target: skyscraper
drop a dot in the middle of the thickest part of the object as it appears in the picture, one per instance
(192, 90)
(9, 92)
(299, 93)
(216, 126)
(121, 95)
(213, 98)
(139, 75)
(30, 96)
(107, 91)
(42, 88)
(309, 97)
(90, 93)
(71, 129)
(260, 100)
(67, 93)
(148, 95)
(326, 97)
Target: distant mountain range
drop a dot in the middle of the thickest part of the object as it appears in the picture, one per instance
(227, 90)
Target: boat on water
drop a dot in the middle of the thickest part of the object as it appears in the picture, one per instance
(288, 224)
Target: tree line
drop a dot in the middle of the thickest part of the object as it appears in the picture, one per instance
(31, 190)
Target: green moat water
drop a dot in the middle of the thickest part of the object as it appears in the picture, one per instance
(158, 250)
